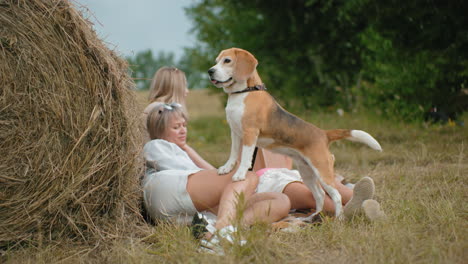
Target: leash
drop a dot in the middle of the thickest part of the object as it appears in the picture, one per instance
(253, 159)
(261, 87)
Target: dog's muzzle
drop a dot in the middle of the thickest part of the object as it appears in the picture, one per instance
(211, 72)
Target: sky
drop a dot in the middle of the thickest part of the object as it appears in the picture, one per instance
(130, 26)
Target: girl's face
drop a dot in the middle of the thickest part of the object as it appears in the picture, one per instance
(176, 132)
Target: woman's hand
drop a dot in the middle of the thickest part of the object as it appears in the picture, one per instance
(197, 159)
(184, 146)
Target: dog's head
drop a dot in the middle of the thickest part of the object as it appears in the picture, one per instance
(234, 69)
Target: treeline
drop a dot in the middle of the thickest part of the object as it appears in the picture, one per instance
(397, 57)
(144, 64)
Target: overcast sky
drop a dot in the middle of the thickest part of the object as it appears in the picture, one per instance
(130, 26)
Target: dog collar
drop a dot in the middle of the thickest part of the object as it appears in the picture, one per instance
(260, 87)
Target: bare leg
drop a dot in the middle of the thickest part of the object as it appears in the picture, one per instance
(227, 204)
(346, 193)
(218, 193)
(206, 188)
(301, 197)
(266, 207)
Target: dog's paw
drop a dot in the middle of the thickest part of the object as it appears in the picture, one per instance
(226, 168)
(340, 217)
(313, 218)
(238, 176)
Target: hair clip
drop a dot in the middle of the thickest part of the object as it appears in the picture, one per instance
(175, 104)
(172, 105)
(169, 107)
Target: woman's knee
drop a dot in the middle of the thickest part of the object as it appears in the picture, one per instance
(252, 178)
(284, 204)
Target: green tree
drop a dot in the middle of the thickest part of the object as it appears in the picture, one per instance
(143, 66)
(307, 50)
(411, 54)
(417, 55)
(197, 78)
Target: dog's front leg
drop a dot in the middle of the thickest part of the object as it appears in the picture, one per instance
(235, 147)
(249, 141)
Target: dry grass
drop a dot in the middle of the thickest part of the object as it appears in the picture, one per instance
(421, 180)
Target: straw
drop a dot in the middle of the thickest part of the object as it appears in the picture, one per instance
(69, 145)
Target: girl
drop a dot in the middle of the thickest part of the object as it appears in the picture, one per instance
(169, 84)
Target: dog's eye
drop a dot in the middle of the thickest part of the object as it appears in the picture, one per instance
(227, 60)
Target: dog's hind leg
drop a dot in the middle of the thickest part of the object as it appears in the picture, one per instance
(310, 177)
(324, 166)
(336, 197)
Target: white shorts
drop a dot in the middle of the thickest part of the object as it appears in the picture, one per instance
(275, 180)
(166, 197)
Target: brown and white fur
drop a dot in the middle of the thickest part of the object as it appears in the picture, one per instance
(256, 119)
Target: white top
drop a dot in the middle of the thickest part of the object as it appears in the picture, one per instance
(163, 155)
(165, 183)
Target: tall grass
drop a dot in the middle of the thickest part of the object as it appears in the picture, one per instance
(421, 183)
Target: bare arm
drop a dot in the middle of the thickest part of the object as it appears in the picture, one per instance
(196, 158)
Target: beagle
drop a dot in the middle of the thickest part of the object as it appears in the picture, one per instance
(256, 119)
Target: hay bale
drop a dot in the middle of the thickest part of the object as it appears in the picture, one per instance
(68, 138)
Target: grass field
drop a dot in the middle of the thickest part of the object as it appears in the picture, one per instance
(421, 182)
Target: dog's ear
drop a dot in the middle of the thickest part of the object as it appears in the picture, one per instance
(245, 65)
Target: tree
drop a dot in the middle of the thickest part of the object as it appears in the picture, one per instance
(418, 55)
(411, 54)
(307, 50)
(143, 66)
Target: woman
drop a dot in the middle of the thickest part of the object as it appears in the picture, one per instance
(179, 183)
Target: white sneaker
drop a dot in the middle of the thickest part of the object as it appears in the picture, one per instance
(228, 232)
(372, 210)
(363, 190)
(211, 246)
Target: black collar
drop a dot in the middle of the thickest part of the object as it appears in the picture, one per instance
(253, 88)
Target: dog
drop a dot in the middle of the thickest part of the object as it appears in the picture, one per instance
(256, 119)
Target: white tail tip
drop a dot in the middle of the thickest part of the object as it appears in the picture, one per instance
(364, 137)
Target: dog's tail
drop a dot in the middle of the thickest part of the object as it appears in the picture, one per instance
(353, 135)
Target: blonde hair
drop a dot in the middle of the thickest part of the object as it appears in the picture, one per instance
(169, 84)
(159, 117)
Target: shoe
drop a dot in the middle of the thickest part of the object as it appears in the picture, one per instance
(372, 210)
(211, 246)
(198, 226)
(228, 233)
(201, 225)
(363, 190)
